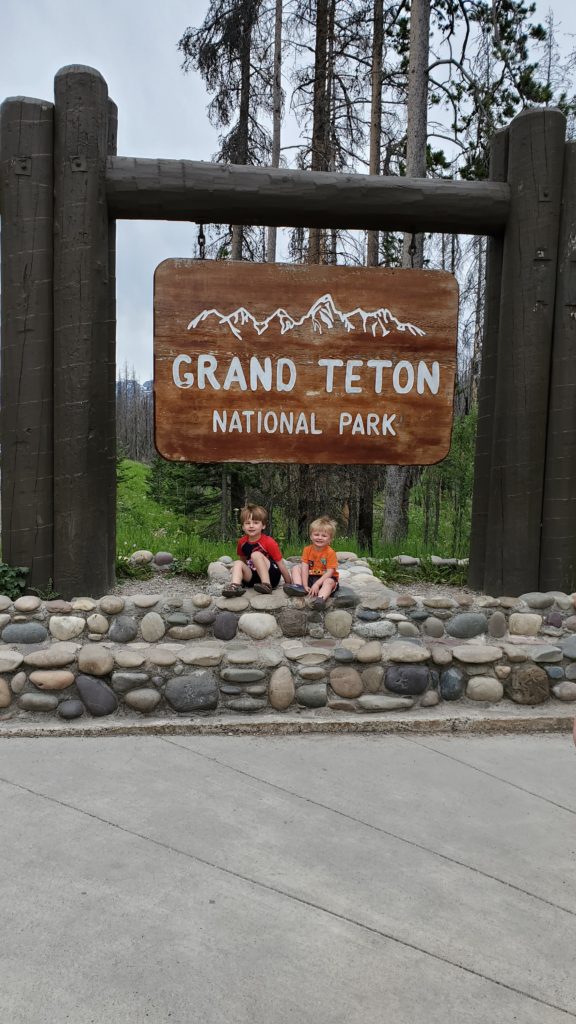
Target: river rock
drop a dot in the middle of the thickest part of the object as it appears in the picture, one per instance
(467, 625)
(527, 684)
(409, 680)
(546, 653)
(311, 673)
(537, 600)
(441, 656)
(524, 624)
(51, 679)
(476, 654)
(201, 600)
(258, 625)
(267, 602)
(122, 682)
(145, 600)
(98, 698)
(242, 675)
(25, 633)
(204, 655)
(246, 705)
(141, 557)
(344, 598)
(346, 682)
(144, 700)
(152, 627)
(312, 695)
(375, 630)
(71, 708)
(206, 616)
(44, 702)
(374, 702)
(432, 626)
(565, 691)
(5, 694)
(372, 678)
(281, 691)
(293, 622)
(484, 688)
(554, 672)
(112, 604)
(569, 647)
(430, 699)
(225, 626)
(404, 651)
(190, 632)
(369, 653)
(408, 629)
(123, 629)
(27, 604)
(368, 615)
(452, 683)
(196, 691)
(242, 656)
(95, 660)
(97, 623)
(10, 660)
(338, 623)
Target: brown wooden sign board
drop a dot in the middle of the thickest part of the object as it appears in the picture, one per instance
(284, 363)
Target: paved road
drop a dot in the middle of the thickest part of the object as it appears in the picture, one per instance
(244, 880)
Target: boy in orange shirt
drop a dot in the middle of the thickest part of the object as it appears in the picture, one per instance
(317, 574)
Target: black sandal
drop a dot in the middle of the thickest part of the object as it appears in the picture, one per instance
(263, 588)
(233, 590)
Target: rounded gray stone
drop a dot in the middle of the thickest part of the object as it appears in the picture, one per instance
(375, 630)
(196, 691)
(569, 648)
(497, 625)
(372, 678)
(346, 682)
(206, 616)
(122, 682)
(225, 626)
(537, 600)
(112, 604)
(123, 629)
(433, 626)
(144, 700)
(430, 699)
(97, 697)
(565, 691)
(467, 625)
(38, 702)
(368, 614)
(152, 627)
(409, 680)
(242, 675)
(246, 705)
(345, 597)
(382, 702)
(293, 622)
(338, 623)
(312, 695)
(343, 655)
(95, 660)
(408, 629)
(71, 708)
(24, 633)
(452, 683)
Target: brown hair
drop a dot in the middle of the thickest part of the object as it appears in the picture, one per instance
(325, 523)
(254, 512)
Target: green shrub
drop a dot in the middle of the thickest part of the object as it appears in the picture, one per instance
(12, 580)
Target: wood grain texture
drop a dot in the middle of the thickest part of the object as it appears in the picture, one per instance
(558, 549)
(27, 457)
(84, 450)
(535, 160)
(488, 375)
(418, 427)
(213, 193)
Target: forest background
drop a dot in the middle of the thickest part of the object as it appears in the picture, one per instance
(362, 86)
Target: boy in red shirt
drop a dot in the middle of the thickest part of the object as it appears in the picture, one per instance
(260, 564)
(317, 574)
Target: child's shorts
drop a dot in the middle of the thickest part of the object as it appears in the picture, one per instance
(314, 579)
(274, 572)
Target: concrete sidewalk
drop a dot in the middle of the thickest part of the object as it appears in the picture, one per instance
(404, 879)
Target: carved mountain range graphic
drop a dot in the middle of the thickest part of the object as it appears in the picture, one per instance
(323, 314)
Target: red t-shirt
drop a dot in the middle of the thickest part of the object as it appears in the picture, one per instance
(267, 544)
(319, 561)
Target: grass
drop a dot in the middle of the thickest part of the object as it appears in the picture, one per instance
(143, 523)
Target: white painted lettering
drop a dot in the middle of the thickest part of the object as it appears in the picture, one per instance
(351, 376)
(313, 429)
(372, 422)
(408, 369)
(330, 364)
(206, 367)
(378, 365)
(260, 374)
(345, 421)
(387, 427)
(219, 421)
(286, 422)
(235, 375)
(302, 424)
(431, 377)
(235, 422)
(188, 379)
(358, 426)
(270, 423)
(281, 384)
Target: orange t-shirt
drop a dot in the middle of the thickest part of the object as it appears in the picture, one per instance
(320, 560)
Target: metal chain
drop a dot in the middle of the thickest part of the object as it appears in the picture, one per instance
(201, 242)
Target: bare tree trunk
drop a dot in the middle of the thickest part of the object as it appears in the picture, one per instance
(397, 490)
(276, 114)
(376, 117)
(319, 159)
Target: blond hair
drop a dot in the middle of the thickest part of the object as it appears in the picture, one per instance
(325, 523)
(255, 512)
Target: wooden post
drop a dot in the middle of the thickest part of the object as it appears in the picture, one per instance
(498, 169)
(111, 391)
(26, 401)
(535, 159)
(84, 389)
(558, 552)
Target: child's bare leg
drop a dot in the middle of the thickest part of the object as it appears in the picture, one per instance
(297, 575)
(327, 588)
(262, 566)
(240, 571)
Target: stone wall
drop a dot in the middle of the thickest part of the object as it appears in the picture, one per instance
(371, 650)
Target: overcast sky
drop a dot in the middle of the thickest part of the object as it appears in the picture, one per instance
(161, 113)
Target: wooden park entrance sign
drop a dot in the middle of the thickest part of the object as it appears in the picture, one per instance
(263, 362)
(62, 188)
